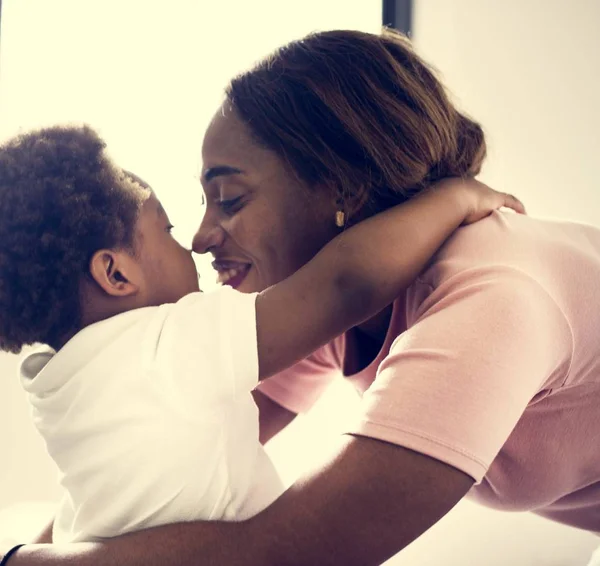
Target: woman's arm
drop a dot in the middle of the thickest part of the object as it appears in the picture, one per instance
(367, 504)
(363, 270)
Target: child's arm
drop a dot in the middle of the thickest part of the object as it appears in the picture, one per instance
(363, 270)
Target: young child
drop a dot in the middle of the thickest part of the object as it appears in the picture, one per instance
(143, 395)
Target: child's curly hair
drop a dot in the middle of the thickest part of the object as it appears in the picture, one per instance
(61, 200)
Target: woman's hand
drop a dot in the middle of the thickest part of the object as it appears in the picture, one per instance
(479, 199)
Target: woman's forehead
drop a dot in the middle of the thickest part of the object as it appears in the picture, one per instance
(226, 132)
(228, 142)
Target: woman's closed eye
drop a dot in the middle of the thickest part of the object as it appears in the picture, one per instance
(230, 206)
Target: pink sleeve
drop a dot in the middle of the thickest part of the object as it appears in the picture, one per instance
(456, 383)
(298, 388)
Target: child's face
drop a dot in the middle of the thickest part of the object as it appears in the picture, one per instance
(168, 270)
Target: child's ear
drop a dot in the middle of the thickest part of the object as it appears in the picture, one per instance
(116, 272)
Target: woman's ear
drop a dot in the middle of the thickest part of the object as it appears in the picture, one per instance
(116, 272)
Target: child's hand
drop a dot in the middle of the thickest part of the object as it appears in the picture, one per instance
(480, 200)
(485, 200)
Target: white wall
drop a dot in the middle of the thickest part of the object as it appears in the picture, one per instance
(527, 70)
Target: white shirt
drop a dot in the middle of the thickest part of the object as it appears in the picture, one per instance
(150, 418)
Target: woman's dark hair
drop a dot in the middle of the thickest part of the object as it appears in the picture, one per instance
(61, 200)
(360, 113)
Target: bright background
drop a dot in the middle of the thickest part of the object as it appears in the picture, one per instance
(149, 76)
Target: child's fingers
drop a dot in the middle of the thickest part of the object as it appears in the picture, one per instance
(511, 201)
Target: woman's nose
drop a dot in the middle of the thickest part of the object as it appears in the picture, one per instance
(209, 235)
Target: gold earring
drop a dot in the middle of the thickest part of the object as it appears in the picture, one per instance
(340, 218)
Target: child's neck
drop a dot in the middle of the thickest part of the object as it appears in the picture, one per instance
(364, 342)
(89, 316)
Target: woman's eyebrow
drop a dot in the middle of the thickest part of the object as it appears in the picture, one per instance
(219, 171)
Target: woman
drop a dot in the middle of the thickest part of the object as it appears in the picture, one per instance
(483, 378)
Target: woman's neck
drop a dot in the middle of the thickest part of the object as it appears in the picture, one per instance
(377, 326)
(364, 342)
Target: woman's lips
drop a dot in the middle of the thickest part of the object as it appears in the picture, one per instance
(234, 276)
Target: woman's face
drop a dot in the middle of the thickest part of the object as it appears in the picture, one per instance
(261, 223)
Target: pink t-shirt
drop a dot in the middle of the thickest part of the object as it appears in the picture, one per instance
(491, 364)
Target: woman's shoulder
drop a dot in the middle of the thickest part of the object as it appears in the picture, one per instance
(498, 256)
(501, 243)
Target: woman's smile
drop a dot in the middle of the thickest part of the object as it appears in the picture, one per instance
(231, 273)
